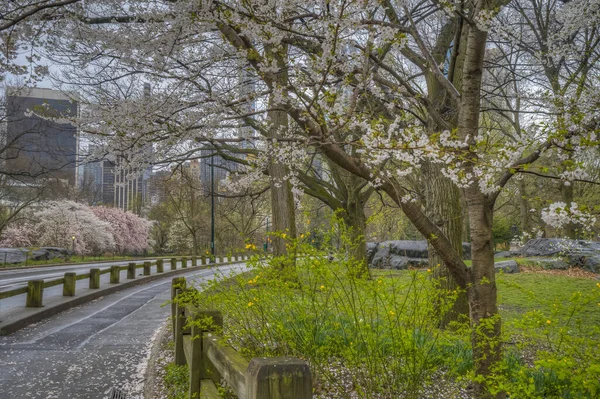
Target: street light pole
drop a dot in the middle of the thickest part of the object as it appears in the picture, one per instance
(73, 239)
(267, 236)
(212, 207)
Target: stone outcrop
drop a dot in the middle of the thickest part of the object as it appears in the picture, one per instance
(556, 253)
(402, 254)
(12, 256)
(577, 253)
(507, 266)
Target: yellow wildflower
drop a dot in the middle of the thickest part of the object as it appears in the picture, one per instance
(548, 322)
(250, 303)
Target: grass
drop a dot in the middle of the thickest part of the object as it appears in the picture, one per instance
(525, 292)
(521, 293)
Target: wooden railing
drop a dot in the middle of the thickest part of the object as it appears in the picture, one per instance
(35, 288)
(210, 359)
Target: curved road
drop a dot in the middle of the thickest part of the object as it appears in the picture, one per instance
(83, 352)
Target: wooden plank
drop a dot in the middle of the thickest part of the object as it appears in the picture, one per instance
(230, 364)
(82, 276)
(52, 283)
(104, 271)
(17, 291)
(208, 390)
(187, 349)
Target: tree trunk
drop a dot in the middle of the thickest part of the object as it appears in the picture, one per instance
(442, 206)
(566, 191)
(481, 290)
(282, 201)
(356, 221)
(524, 207)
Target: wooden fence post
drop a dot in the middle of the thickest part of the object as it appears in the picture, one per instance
(94, 279)
(179, 319)
(69, 284)
(184, 262)
(177, 282)
(278, 377)
(160, 266)
(200, 365)
(203, 260)
(194, 261)
(173, 263)
(131, 271)
(35, 294)
(115, 274)
(147, 266)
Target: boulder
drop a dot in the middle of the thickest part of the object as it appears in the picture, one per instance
(578, 253)
(56, 252)
(13, 255)
(507, 254)
(19, 255)
(507, 266)
(391, 253)
(551, 263)
(371, 250)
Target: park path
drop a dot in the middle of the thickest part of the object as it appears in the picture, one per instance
(85, 351)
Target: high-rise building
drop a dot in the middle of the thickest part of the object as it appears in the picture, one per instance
(40, 143)
(116, 186)
(215, 167)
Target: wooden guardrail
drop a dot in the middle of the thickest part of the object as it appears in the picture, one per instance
(35, 288)
(210, 359)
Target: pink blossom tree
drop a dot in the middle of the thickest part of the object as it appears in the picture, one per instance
(64, 223)
(130, 232)
(18, 235)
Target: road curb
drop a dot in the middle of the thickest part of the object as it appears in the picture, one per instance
(12, 325)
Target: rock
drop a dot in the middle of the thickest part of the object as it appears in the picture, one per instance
(398, 262)
(507, 254)
(13, 255)
(371, 250)
(19, 255)
(466, 250)
(578, 253)
(390, 253)
(507, 266)
(381, 257)
(551, 263)
(409, 249)
(39, 254)
(55, 252)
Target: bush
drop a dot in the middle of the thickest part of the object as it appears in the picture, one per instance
(378, 337)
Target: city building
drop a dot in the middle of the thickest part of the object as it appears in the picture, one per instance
(39, 142)
(111, 185)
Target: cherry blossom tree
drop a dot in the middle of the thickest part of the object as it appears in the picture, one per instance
(130, 231)
(60, 221)
(18, 235)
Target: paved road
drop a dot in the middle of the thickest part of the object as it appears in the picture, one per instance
(16, 278)
(11, 279)
(85, 351)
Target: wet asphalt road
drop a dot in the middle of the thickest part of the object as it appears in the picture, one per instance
(85, 351)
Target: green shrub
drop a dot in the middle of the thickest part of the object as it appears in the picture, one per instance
(176, 381)
(376, 336)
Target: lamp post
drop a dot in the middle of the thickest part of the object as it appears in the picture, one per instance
(212, 208)
(73, 240)
(267, 236)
